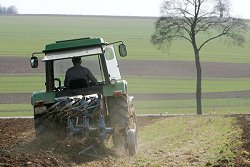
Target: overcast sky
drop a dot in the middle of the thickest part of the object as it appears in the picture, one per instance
(240, 8)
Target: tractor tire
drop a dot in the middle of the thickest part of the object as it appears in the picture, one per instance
(132, 142)
(118, 111)
(49, 127)
(43, 127)
(122, 117)
(39, 127)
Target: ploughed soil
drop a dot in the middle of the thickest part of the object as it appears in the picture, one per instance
(244, 156)
(19, 147)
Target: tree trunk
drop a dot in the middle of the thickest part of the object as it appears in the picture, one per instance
(198, 82)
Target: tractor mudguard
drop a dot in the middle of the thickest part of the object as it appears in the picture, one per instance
(44, 97)
(115, 90)
(130, 99)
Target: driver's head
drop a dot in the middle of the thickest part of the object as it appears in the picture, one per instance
(76, 60)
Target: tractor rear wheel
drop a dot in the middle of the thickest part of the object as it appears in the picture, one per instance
(122, 117)
(46, 126)
(39, 127)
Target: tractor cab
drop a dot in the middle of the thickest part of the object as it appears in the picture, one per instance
(96, 55)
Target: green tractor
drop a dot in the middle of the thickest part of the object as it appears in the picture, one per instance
(100, 111)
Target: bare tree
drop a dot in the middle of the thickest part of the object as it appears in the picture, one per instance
(187, 19)
(222, 7)
(2, 9)
(9, 11)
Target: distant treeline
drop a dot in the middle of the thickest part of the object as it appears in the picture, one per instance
(8, 10)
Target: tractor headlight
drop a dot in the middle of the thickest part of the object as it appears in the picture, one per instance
(113, 82)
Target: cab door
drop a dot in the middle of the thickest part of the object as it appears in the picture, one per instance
(112, 64)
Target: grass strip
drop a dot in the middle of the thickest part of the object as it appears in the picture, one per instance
(15, 110)
(15, 107)
(15, 113)
(21, 84)
(210, 106)
(29, 84)
(169, 85)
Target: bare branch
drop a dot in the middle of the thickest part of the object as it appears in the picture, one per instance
(210, 39)
(186, 19)
(188, 1)
(231, 28)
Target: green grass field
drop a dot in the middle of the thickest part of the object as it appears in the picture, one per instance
(210, 106)
(8, 84)
(23, 35)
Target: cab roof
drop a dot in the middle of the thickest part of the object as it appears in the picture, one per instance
(73, 44)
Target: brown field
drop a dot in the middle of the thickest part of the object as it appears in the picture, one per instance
(19, 147)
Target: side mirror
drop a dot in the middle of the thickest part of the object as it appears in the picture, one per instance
(122, 50)
(34, 62)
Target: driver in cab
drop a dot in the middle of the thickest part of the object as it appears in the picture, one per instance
(79, 76)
